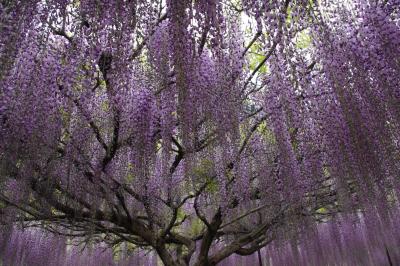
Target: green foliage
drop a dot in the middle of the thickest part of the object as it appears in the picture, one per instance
(65, 116)
(322, 211)
(256, 57)
(180, 215)
(105, 106)
(196, 226)
(289, 15)
(303, 40)
(212, 186)
(266, 132)
(130, 177)
(326, 171)
(203, 171)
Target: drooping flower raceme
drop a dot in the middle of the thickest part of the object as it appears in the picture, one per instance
(199, 132)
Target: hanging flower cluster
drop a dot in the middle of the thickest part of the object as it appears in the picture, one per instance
(199, 132)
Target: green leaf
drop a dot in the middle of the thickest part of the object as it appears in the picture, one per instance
(255, 60)
(326, 171)
(180, 215)
(212, 186)
(322, 210)
(130, 177)
(196, 226)
(289, 15)
(266, 132)
(203, 169)
(105, 106)
(303, 40)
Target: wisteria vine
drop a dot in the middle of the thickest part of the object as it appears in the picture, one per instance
(199, 132)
